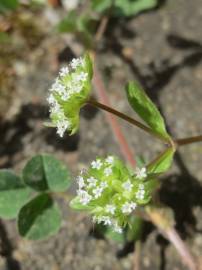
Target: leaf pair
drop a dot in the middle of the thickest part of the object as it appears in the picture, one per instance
(38, 216)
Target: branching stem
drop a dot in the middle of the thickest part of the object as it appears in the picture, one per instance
(189, 140)
(176, 143)
(127, 118)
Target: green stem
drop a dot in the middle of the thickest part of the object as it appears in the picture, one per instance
(189, 140)
(128, 119)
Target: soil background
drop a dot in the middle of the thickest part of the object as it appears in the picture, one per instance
(163, 50)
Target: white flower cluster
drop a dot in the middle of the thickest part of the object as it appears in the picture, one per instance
(68, 84)
(110, 189)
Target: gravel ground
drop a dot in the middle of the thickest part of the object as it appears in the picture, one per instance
(165, 49)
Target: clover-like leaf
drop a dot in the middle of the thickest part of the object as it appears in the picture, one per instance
(39, 218)
(13, 194)
(146, 109)
(44, 172)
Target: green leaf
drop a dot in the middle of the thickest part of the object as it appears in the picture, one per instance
(133, 7)
(44, 172)
(163, 163)
(39, 218)
(13, 194)
(69, 23)
(123, 8)
(146, 109)
(6, 5)
(101, 5)
(111, 234)
(83, 26)
(134, 229)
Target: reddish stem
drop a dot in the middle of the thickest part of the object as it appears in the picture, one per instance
(102, 97)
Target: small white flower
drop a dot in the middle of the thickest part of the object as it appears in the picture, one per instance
(110, 159)
(76, 62)
(127, 208)
(103, 184)
(84, 197)
(117, 228)
(81, 77)
(141, 173)
(55, 108)
(62, 125)
(108, 171)
(97, 192)
(64, 71)
(141, 186)
(110, 208)
(80, 182)
(140, 194)
(105, 219)
(97, 164)
(57, 87)
(92, 182)
(51, 99)
(127, 185)
(66, 95)
(76, 88)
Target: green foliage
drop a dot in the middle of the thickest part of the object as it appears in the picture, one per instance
(44, 172)
(83, 26)
(39, 218)
(109, 233)
(134, 230)
(123, 8)
(6, 5)
(13, 194)
(146, 109)
(163, 163)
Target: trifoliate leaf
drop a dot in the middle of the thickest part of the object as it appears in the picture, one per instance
(13, 194)
(39, 218)
(44, 172)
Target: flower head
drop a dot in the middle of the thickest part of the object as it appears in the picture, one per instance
(141, 173)
(69, 93)
(111, 193)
